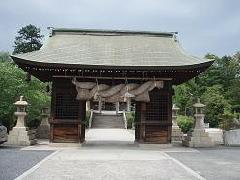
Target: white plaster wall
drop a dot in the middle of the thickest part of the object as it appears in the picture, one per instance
(216, 135)
(232, 137)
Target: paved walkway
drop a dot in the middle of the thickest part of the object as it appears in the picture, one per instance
(106, 164)
(110, 154)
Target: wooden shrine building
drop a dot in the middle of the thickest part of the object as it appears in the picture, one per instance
(110, 66)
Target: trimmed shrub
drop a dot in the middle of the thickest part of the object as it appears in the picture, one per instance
(130, 119)
(185, 123)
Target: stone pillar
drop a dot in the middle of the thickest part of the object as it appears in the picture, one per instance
(128, 104)
(20, 135)
(117, 107)
(177, 135)
(198, 137)
(100, 105)
(43, 130)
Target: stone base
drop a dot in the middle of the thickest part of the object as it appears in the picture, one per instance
(177, 134)
(141, 145)
(3, 139)
(21, 136)
(43, 132)
(198, 138)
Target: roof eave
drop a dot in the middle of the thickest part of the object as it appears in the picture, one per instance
(85, 66)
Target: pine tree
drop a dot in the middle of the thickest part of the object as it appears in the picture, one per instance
(28, 39)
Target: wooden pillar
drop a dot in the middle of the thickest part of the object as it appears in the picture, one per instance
(100, 105)
(139, 122)
(142, 122)
(136, 120)
(82, 115)
(52, 111)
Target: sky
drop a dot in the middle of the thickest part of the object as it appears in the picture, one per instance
(203, 26)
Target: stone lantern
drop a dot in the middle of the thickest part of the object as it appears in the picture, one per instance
(43, 130)
(20, 135)
(198, 137)
(199, 116)
(45, 114)
(21, 113)
(177, 135)
(174, 114)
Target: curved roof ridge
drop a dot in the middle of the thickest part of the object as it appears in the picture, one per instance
(108, 32)
(183, 51)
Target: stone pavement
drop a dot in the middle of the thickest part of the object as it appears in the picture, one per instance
(109, 154)
(102, 158)
(104, 164)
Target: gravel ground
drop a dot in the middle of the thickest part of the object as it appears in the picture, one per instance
(217, 163)
(14, 161)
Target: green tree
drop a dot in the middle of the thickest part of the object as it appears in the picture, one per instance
(215, 103)
(28, 39)
(185, 95)
(222, 72)
(233, 89)
(233, 95)
(13, 85)
(219, 87)
(4, 57)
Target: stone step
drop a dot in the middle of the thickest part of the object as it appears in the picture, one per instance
(107, 121)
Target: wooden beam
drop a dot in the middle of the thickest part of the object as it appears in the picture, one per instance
(97, 77)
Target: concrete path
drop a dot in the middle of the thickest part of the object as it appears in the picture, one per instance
(106, 164)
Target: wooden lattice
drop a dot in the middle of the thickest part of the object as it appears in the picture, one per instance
(66, 106)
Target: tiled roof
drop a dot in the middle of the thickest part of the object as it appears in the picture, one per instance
(111, 48)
